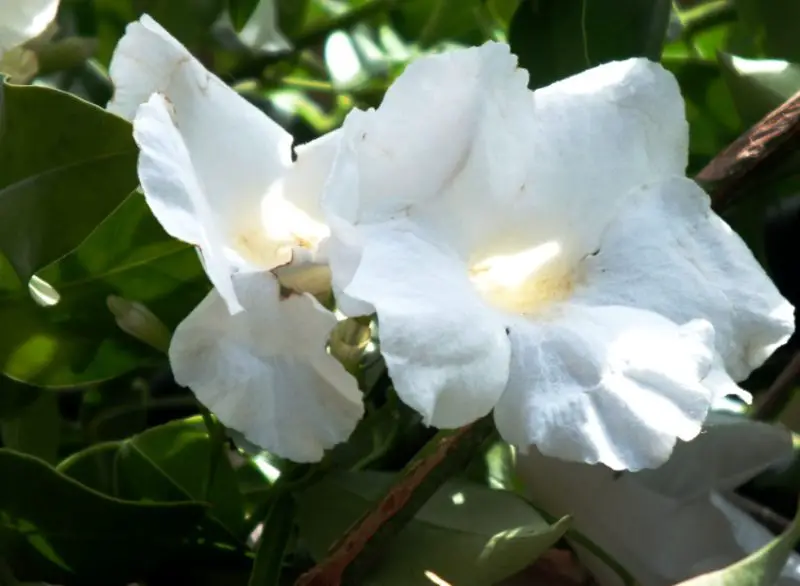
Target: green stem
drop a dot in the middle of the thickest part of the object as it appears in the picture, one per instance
(276, 534)
(706, 16)
(216, 434)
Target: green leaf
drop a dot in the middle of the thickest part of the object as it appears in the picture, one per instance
(93, 467)
(292, 15)
(760, 568)
(107, 21)
(431, 21)
(189, 21)
(240, 11)
(710, 111)
(276, 533)
(57, 529)
(65, 164)
(373, 437)
(171, 462)
(74, 339)
(773, 25)
(466, 534)
(558, 38)
(759, 85)
(35, 431)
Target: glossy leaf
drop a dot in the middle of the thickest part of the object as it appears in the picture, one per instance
(466, 534)
(761, 568)
(558, 38)
(73, 338)
(171, 462)
(93, 467)
(759, 85)
(48, 517)
(65, 165)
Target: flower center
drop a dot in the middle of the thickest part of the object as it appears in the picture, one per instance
(526, 282)
(282, 229)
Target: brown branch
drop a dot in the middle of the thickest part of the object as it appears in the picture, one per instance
(420, 479)
(767, 517)
(754, 155)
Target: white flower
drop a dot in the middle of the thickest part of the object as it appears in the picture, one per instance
(261, 32)
(265, 371)
(544, 256)
(215, 170)
(23, 20)
(217, 173)
(669, 524)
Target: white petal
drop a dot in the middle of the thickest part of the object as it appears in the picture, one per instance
(305, 182)
(667, 252)
(446, 351)
(238, 153)
(660, 540)
(265, 372)
(261, 33)
(598, 135)
(446, 142)
(174, 194)
(23, 20)
(730, 451)
(605, 384)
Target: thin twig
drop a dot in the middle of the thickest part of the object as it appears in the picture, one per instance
(352, 554)
(754, 155)
(767, 517)
(774, 400)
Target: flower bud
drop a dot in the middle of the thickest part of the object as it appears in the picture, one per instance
(138, 321)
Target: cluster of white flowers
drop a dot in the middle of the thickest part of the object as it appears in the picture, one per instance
(541, 255)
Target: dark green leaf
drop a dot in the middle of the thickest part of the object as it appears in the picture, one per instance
(76, 340)
(93, 467)
(188, 20)
(65, 164)
(466, 534)
(759, 85)
(292, 16)
(276, 533)
(558, 38)
(374, 436)
(713, 120)
(36, 430)
(80, 532)
(108, 24)
(171, 462)
(240, 11)
(773, 25)
(428, 22)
